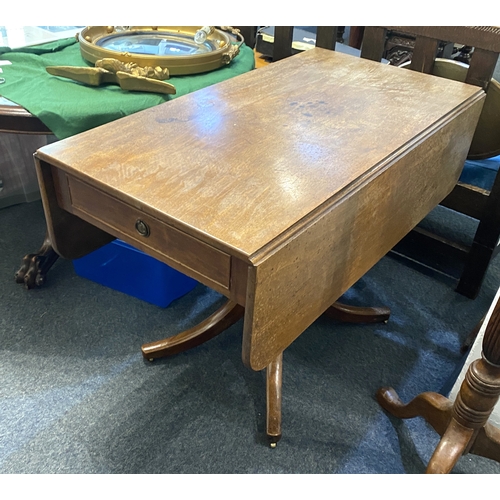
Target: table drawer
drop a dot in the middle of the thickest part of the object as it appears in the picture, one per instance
(186, 253)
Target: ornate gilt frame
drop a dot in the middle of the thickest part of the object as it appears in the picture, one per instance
(224, 50)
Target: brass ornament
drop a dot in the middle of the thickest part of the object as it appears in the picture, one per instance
(126, 79)
(114, 65)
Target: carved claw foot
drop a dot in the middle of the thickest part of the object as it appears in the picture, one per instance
(35, 266)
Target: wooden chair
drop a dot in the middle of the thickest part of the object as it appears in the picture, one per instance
(466, 263)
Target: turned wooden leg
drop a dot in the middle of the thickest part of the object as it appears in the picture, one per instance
(35, 266)
(354, 314)
(215, 324)
(463, 425)
(273, 396)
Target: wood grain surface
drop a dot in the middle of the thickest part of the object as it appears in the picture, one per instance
(241, 162)
(300, 176)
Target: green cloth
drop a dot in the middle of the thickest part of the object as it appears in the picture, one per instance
(68, 108)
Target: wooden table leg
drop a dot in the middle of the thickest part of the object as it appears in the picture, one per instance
(463, 425)
(35, 266)
(215, 324)
(229, 314)
(273, 398)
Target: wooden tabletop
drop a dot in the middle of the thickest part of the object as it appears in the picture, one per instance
(280, 188)
(240, 163)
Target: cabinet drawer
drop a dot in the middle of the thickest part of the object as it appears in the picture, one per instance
(185, 252)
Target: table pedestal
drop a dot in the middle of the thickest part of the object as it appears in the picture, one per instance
(462, 425)
(33, 274)
(229, 314)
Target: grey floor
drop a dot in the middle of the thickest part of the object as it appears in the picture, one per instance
(77, 397)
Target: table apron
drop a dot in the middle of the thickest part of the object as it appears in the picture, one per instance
(211, 266)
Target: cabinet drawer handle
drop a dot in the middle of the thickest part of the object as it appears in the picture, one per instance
(142, 228)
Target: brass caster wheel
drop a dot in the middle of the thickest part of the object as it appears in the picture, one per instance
(273, 440)
(151, 360)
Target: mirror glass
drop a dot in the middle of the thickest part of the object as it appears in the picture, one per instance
(159, 44)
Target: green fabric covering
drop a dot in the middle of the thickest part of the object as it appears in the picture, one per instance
(69, 107)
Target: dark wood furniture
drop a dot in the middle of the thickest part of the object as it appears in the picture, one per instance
(468, 263)
(462, 424)
(280, 198)
(14, 119)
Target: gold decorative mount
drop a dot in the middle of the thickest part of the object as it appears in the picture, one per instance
(127, 76)
(114, 65)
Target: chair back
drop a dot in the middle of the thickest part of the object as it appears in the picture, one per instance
(485, 41)
(486, 140)
(467, 263)
(326, 36)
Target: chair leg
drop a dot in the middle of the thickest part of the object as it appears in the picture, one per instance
(484, 244)
(474, 272)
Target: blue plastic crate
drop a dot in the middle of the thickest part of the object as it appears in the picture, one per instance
(122, 267)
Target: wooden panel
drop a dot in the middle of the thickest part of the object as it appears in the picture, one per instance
(239, 277)
(238, 168)
(282, 45)
(248, 33)
(482, 66)
(424, 54)
(177, 247)
(356, 36)
(17, 171)
(295, 283)
(326, 37)
(16, 120)
(373, 44)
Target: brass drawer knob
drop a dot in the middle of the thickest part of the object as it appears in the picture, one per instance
(142, 228)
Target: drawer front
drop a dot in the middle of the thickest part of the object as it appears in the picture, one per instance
(175, 247)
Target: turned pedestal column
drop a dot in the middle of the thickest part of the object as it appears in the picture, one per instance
(462, 424)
